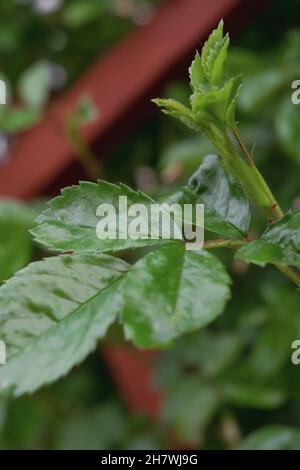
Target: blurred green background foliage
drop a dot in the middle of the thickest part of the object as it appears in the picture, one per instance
(233, 384)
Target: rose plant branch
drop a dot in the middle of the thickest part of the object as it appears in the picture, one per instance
(212, 113)
(67, 302)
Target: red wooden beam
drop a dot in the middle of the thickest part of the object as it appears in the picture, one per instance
(132, 371)
(116, 82)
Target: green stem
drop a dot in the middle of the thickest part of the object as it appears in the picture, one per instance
(224, 243)
(262, 196)
(244, 150)
(85, 156)
(246, 172)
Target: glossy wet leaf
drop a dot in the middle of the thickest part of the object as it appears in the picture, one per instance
(285, 232)
(280, 243)
(170, 292)
(70, 221)
(212, 221)
(225, 203)
(261, 252)
(63, 306)
(226, 207)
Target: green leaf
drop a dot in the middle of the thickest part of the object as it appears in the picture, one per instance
(197, 75)
(177, 110)
(216, 104)
(189, 407)
(170, 292)
(287, 124)
(15, 240)
(272, 348)
(235, 89)
(285, 232)
(280, 243)
(70, 221)
(226, 206)
(273, 437)
(261, 252)
(214, 54)
(15, 120)
(252, 395)
(34, 85)
(51, 315)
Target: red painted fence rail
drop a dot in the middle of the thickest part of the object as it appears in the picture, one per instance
(116, 82)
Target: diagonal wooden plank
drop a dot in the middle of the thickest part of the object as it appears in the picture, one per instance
(116, 82)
